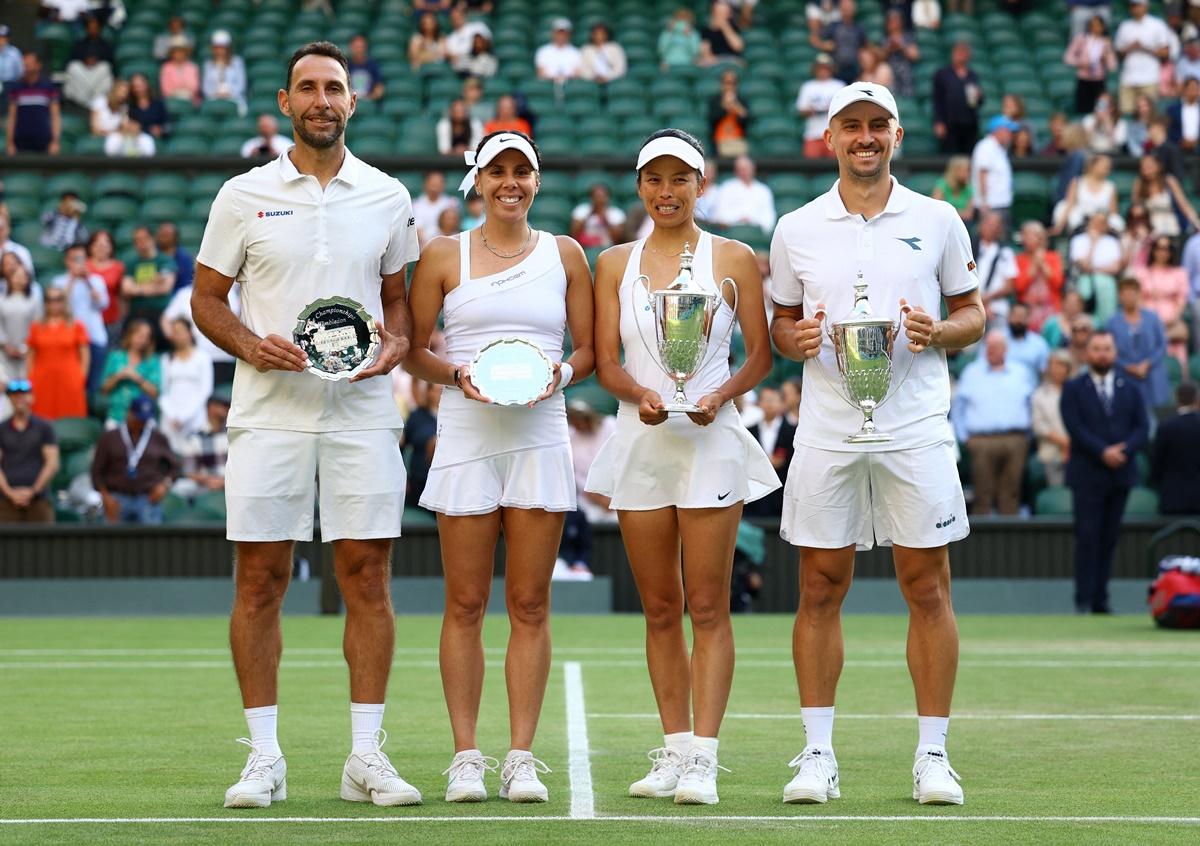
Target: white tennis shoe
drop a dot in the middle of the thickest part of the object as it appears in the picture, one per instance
(698, 779)
(816, 777)
(519, 780)
(934, 781)
(263, 781)
(465, 776)
(660, 782)
(372, 778)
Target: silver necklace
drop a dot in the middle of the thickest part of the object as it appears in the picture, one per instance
(498, 253)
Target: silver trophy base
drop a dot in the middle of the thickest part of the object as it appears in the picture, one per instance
(685, 407)
(869, 438)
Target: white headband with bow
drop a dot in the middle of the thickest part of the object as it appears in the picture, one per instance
(495, 145)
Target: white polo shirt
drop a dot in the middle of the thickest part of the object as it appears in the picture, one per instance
(916, 248)
(989, 155)
(289, 243)
(1142, 67)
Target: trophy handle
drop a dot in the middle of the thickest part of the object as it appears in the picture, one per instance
(823, 316)
(729, 331)
(643, 282)
(905, 310)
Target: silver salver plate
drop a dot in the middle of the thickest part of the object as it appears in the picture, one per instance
(512, 371)
(338, 336)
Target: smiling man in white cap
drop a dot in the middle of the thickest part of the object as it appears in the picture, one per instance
(912, 251)
(559, 60)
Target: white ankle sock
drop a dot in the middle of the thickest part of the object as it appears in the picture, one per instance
(262, 723)
(365, 722)
(818, 726)
(680, 741)
(933, 732)
(518, 753)
(708, 744)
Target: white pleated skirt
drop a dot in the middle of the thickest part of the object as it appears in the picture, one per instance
(681, 464)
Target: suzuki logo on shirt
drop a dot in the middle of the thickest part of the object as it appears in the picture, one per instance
(283, 213)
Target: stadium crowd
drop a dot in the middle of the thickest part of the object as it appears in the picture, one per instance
(109, 338)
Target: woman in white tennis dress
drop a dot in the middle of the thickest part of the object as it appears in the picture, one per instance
(680, 480)
(499, 467)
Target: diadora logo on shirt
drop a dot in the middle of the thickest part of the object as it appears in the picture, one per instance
(944, 524)
(912, 242)
(507, 279)
(276, 213)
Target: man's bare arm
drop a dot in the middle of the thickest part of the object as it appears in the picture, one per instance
(213, 316)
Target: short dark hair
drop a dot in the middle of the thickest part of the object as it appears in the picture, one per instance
(78, 245)
(317, 48)
(1102, 332)
(536, 152)
(1128, 282)
(1186, 394)
(682, 135)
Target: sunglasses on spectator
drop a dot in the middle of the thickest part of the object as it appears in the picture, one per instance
(19, 386)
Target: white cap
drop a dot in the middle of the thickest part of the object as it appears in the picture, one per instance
(669, 145)
(561, 23)
(221, 38)
(856, 92)
(494, 147)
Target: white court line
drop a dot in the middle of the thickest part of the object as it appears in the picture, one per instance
(1033, 717)
(579, 768)
(799, 817)
(899, 663)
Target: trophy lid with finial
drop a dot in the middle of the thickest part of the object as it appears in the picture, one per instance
(862, 314)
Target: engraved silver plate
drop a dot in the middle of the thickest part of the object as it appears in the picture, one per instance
(338, 336)
(512, 371)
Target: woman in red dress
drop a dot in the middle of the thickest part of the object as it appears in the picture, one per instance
(58, 359)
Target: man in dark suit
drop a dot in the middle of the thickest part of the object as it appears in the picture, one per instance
(1182, 132)
(1106, 420)
(776, 435)
(1175, 459)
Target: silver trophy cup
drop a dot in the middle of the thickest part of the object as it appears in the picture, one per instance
(683, 315)
(863, 345)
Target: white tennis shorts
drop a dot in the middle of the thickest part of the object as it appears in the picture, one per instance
(273, 476)
(909, 497)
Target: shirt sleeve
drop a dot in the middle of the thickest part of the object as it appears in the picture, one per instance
(224, 245)
(956, 272)
(786, 288)
(402, 245)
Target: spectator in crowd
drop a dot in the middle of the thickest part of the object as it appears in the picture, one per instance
(11, 64)
(954, 186)
(873, 69)
(1075, 144)
(776, 435)
(597, 223)
(728, 118)
(1163, 198)
(1081, 330)
(790, 390)
(813, 105)
(1107, 424)
(559, 60)
(421, 8)
(131, 370)
(101, 262)
(420, 438)
(1143, 42)
(63, 226)
(720, 40)
(87, 297)
(457, 131)
(180, 308)
(427, 46)
(1137, 128)
(1097, 260)
(462, 36)
(472, 94)
(130, 141)
(176, 31)
(997, 268)
(1039, 276)
(90, 66)
(679, 42)
(745, 201)
(225, 72)
(19, 309)
(1188, 65)
(901, 52)
(149, 278)
(179, 76)
(1053, 443)
(1184, 117)
(1162, 148)
(1091, 193)
(28, 459)
(1022, 143)
(430, 203)
(366, 78)
(481, 62)
(449, 222)
(108, 112)
(268, 143)
(7, 245)
(1055, 145)
(1082, 12)
(147, 109)
(745, 10)
(166, 238)
(927, 14)
(134, 466)
(1135, 240)
(34, 122)
(589, 431)
(1092, 55)
(187, 383)
(507, 118)
(957, 96)
(707, 205)
(1106, 130)
(1165, 290)
(991, 416)
(1057, 330)
(1175, 456)
(473, 218)
(991, 171)
(204, 453)
(820, 14)
(1141, 345)
(1025, 346)
(58, 360)
(603, 59)
(842, 39)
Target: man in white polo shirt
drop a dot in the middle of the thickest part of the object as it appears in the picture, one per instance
(991, 170)
(913, 250)
(314, 223)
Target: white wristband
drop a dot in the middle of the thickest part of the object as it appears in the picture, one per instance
(565, 374)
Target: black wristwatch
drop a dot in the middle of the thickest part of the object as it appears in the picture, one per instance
(458, 377)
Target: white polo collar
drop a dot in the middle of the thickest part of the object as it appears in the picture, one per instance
(835, 209)
(348, 172)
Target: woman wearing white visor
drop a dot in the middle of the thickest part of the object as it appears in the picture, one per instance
(680, 480)
(499, 467)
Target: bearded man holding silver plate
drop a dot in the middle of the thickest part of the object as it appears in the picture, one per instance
(857, 276)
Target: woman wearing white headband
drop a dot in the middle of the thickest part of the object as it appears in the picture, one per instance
(499, 467)
(680, 480)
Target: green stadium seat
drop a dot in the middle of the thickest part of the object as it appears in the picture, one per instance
(23, 206)
(1142, 502)
(88, 145)
(113, 210)
(175, 509)
(188, 146)
(209, 507)
(77, 433)
(165, 208)
(1054, 501)
(118, 184)
(589, 391)
(23, 184)
(206, 185)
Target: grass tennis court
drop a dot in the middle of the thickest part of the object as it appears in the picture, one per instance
(1067, 730)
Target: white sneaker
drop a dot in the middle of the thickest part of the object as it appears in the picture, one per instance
(465, 773)
(934, 781)
(519, 780)
(816, 778)
(263, 781)
(372, 778)
(660, 782)
(698, 779)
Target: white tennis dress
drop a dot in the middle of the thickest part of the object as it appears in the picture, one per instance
(488, 456)
(678, 463)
